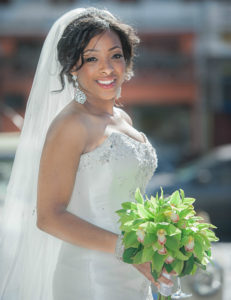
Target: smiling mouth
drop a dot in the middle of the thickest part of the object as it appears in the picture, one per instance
(106, 83)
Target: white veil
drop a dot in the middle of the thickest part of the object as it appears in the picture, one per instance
(27, 255)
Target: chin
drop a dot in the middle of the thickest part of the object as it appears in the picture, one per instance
(108, 97)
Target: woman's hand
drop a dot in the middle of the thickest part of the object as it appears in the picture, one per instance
(145, 269)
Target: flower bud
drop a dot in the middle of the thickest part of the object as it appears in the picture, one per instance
(140, 235)
(174, 217)
(190, 245)
(161, 236)
(169, 259)
(162, 251)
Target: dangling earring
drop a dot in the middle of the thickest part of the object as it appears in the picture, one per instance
(80, 97)
(118, 93)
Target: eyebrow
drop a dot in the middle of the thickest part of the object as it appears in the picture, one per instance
(94, 50)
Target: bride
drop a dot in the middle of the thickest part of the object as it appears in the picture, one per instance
(78, 159)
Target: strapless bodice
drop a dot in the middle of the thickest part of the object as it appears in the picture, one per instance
(108, 176)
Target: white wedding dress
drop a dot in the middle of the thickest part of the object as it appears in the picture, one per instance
(106, 177)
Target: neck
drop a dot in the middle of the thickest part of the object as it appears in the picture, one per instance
(100, 107)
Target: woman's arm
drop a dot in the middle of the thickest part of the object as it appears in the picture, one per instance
(66, 140)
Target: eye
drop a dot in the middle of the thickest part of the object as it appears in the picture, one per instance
(90, 59)
(117, 56)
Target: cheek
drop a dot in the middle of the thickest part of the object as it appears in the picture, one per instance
(84, 74)
(121, 68)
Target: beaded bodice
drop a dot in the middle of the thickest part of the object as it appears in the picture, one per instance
(108, 176)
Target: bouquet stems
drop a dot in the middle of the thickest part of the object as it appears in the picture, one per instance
(161, 297)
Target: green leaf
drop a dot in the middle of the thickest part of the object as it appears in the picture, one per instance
(177, 266)
(182, 194)
(149, 238)
(179, 255)
(205, 226)
(168, 267)
(211, 235)
(144, 213)
(130, 240)
(158, 261)
(121, 212)
(175, 198)
(189, 200)
(147, 254)
(205, 240)
(138, 258)
(155, 274)
(186, 212)
(163, 225)
(172, 243)
(128, 255)
(194, 269)
(148, 227)
(153, 203)
(128, 217)
(129, 205)
(138, 196)
(188, 266)
(209, 252)
(184, 240)
(203, 267)
(199, 239)
(131, 225)
(173, 230)
(205, 261)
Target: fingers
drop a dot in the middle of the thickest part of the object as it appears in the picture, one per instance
(174, 273)
(165, 280)
(145, 269)
(171, 273)
(156, 283)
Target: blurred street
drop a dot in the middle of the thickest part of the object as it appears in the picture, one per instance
(222, 254)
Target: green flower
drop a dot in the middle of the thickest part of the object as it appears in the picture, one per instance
(166, 232)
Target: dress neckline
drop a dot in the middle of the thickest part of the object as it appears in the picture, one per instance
(117, 133)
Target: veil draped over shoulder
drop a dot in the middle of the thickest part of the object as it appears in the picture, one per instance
(27, 255)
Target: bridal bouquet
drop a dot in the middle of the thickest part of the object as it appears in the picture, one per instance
(166, 232)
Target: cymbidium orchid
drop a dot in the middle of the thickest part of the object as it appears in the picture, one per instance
(174, 217)
(169, 259)
(162, 251)
(190, 245)
(164, 231)
(140, 235)
(161, 234)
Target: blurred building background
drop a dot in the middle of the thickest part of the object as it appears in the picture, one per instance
(180, 95)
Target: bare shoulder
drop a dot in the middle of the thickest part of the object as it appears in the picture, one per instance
(124, 116)
(68, 127)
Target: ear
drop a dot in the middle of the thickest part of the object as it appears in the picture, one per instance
(73, 70)
(74, 73)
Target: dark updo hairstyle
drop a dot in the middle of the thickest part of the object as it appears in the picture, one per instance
(78, 33)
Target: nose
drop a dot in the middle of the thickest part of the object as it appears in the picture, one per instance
(106, 67)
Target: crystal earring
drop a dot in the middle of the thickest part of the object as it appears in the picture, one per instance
(80, 97)
(118, 93)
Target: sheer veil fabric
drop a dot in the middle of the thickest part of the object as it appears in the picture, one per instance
(27, 255)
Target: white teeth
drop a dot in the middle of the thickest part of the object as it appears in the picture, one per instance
(105, 82)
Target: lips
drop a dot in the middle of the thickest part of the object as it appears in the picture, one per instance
(107, 84)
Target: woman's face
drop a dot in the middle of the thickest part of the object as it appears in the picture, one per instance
(104, 67)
